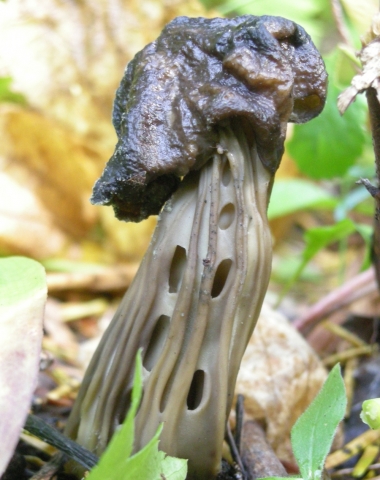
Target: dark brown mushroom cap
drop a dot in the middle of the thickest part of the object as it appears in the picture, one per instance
(198, 74)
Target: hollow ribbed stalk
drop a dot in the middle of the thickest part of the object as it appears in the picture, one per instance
(192, 308)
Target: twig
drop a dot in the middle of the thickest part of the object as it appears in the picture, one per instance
(349, 382)
(374, 115)
(345, 355)
(344, 334)
(239, 409)
(42, 430)
(339, 21)
(258, 456)
(234, 450)
(357, 287)
(348, 471)
(50, 468)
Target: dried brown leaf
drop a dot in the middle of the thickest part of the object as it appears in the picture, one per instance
(279, 377)
(67, 58)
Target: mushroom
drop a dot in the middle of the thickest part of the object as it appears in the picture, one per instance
(201, 117)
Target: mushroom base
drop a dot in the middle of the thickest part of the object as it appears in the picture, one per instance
(192, 308)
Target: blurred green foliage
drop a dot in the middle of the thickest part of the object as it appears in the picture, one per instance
(329, 145)
(7, 94)
(313, 15)
(290, 195)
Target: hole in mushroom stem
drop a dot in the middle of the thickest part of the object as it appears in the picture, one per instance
(226, 173)
(194, 397)
(176, 269)
(156, 342)
(226, 216)
(220, 278)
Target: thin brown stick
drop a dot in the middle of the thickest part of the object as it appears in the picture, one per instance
(234, 450)
(239, 409)
(258, 457)
(338, 15)
(348, 471)
(357, 287)
(50, 469)
(374, 115)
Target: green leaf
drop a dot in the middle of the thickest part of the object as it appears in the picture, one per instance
(23, 295)
(280, 478)
(318, 238)
(155, 464)
(314, 431)
(291, 195)
(6, 93)
(121, 444)
(21, 279)
(370, 413)
(329, 145)
(307, 13)
(147, 464)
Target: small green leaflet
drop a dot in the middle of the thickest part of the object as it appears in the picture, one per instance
(314, 431)
(320, 237)
(151, 464)
(370, 413)
(147, 464)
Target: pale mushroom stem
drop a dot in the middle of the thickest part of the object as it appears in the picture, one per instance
(192, 308)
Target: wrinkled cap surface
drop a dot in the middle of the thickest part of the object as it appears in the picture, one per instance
(199, 74)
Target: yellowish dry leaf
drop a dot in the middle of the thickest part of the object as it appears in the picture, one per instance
(128, 240)
(67, 58)
(46, 180)
(58, 168)
(361, 13)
